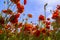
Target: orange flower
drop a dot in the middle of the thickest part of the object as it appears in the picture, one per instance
(4, 11)
(17, 15)
(55, 14)
(48, 26)
(34, 28)
(7, 26)
(13, 19)
(48, 23)
(1, 31)
(43, 30)
(41, 17)
(37, 33)
(15, 1)
(30, 15)
(58, 7)
(28, 26)
(8, 11)
(20, 8)
(25, 1)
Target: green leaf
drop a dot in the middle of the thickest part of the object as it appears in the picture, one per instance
(0, 26)
(49, 38)
(58, 36)
(2, 36)
(22, 28)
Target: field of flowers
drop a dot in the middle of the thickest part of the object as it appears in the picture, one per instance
(12, 29)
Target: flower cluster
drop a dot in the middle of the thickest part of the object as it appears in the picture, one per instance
(12, 29)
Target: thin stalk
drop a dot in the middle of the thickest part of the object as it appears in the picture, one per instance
(45, 9)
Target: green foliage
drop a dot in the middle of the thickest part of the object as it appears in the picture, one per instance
(3, 37)
(58, 35)
(0, 26)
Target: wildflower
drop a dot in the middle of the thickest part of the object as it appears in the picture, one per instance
(17, 15)
(25, 1)
(37, 33)
(48, 19)
(7, 26)
(28, 26)
(48, 26)
(1, 31)
(30, 15)
(34, 28)
(14, 18)
(48, 23)
(58, 7)
(20, 8)
(8, 11)
(43, 30)
(4, 11)
(55, 14)
(41, 17)
(15, 1)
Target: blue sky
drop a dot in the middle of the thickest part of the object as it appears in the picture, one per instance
(36, 7)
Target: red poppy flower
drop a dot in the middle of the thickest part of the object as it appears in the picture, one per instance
(48, 19)
(8, 11)
(4, 11)
(7, 26)
(55, 14)
(17, 15)
(20, 8)
(15, 1)
(25, 1)
(37, 33)
(28, 27)
(41, 17)
(13, 19)
(43, 30)
(48, 26)
(48, 23)
(30, 15)
(34, 28)
(58, 7)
